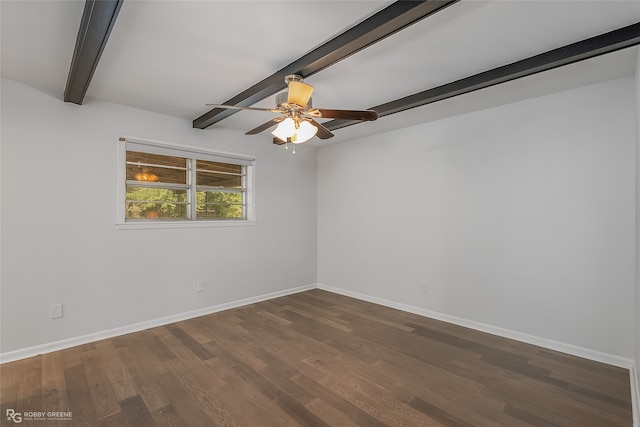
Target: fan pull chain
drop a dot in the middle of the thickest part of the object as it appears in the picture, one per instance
(286, 147)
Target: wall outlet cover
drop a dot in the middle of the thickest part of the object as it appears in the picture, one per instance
(56, 311)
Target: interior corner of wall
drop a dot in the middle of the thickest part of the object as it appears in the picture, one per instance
(635, 396)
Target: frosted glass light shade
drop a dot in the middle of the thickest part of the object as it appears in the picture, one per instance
(305, 132)
(286, 129)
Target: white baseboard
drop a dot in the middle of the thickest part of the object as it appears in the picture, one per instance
(97, 336)
(507, 333)
(635, 396)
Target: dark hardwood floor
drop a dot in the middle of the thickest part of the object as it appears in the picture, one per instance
(315, 359)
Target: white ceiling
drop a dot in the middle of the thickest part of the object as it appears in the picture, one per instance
(173, 57)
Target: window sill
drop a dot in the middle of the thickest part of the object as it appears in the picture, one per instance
(182, 224)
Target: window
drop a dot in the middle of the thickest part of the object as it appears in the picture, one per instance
(165, 183)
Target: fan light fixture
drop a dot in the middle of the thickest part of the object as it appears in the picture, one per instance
(288, 130)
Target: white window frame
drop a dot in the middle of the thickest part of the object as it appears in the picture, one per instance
(189, 152)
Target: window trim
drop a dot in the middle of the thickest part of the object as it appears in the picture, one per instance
(190, 152)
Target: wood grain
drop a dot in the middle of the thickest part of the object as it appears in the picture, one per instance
(316, 359)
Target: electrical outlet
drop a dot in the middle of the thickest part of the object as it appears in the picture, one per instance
(424, 287)
(56, 311)
(200, 286)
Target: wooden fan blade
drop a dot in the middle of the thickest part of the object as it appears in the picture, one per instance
(367, 115)
(299, 93)
(236, 107)
(323, 132)
(265, 126)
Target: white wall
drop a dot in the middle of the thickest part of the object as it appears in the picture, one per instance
(520, 217)
(60, 243)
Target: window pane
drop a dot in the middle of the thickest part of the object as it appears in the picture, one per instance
(217, 174)
(217, 205)
(156, 203)
(156, 168)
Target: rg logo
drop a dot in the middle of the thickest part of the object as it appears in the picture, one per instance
(14, 416)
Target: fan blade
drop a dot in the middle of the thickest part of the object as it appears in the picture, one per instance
(265, 126)
(236, 107)
(299, 93)
(368, 115)
(323, 132)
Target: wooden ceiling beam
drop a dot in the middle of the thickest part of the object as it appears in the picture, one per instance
(386, 22)
(589, 48)
(98, 19)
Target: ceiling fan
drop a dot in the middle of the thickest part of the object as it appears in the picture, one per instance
(297, 123)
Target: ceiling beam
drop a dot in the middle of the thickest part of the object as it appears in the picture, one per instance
(389, 20)
(98, 19)
(569, 54)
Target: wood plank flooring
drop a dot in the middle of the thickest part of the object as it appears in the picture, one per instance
(315, 359)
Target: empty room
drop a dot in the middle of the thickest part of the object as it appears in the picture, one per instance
(319, 213)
